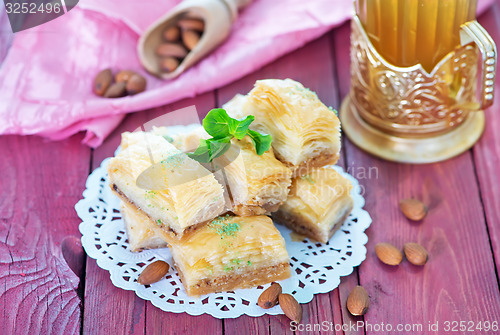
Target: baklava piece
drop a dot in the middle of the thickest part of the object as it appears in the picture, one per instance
(229, 253)
(175, 191)
(318, 204)
(306, 133)
(186, 141)
(142, 232)
(256, 184)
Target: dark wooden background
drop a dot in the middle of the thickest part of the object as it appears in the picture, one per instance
(41, 259)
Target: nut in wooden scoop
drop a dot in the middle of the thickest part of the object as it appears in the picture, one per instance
(191, 30)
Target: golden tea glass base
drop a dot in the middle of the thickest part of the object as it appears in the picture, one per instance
(410, 150)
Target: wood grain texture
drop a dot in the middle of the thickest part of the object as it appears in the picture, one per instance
(109, 309)
(162, 323)
(341, 43)
(459, 281)
(487, 151)
(40, 183)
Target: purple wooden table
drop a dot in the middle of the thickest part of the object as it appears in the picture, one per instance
(41, 259)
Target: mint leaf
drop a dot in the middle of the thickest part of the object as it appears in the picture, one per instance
(262, 142)
(218, 147)
(202, 153)
(242, 128)
(223, 128)
(210, 149)
(218, 124)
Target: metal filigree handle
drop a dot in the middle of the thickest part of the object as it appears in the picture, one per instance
(473, 32)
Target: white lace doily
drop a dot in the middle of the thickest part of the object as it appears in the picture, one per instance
(316, 267)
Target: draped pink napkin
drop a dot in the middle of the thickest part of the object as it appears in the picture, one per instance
(47, 75)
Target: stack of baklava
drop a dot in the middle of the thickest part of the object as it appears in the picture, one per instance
(215, 220)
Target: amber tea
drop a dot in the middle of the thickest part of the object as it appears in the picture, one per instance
(408, 32)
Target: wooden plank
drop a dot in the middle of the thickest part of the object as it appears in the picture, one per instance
(341, 49)
(40, 181)
(487, 151)
(312, 66)
(129, 313)
(459, 282)
(162, 323)
(108, 309)
(248, 325)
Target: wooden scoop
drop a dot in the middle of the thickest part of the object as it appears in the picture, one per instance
(218, 15)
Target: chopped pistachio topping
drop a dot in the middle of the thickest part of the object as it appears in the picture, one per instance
(150, 194)
(334, 110)
(308, 178)
(174, 160)
(224, 228)
(168, 138)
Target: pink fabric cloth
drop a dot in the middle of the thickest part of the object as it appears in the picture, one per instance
(46, 78)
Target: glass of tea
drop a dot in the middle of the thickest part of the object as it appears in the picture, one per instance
(422, 71)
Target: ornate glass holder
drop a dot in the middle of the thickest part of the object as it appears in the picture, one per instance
(405, 114)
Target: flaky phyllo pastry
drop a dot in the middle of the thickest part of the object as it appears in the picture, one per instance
(305, 132)
(267, 154)
(317, 205)
(256, 184)
(231, 252)
(186, 141)
(180, 193)
(142, 232)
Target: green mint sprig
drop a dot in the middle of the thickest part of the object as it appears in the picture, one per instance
(223, 128)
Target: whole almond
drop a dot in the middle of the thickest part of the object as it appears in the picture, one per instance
(153, 273)
(136, 84)
(190, 38)
(388, 254)
(171, 34)
(358, 301)
(171, 50)
(192, 24)
(415, 253)
(116, 90)
(102, 82)
(413, 209)
(269, 298)
(169, 64)
(124, 75)
(290, 307)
